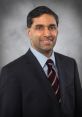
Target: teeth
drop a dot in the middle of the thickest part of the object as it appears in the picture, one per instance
(47, 41)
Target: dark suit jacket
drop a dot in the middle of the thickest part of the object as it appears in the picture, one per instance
(26, 92)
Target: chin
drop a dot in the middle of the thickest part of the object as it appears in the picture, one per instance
(47, 49)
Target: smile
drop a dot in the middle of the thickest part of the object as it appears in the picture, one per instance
(47, 41)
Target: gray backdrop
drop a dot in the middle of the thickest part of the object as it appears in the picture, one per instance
(14, 41)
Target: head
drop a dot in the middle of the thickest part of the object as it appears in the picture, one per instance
(42, 28)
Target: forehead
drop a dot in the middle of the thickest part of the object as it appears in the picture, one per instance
(44, 19)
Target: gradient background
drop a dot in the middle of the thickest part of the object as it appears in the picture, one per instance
(14, 41)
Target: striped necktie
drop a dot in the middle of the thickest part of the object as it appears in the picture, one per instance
(53, 78)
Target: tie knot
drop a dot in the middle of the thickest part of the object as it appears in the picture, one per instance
(50, 62)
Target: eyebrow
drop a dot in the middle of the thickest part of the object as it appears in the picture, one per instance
(53, 25)
(44, 25)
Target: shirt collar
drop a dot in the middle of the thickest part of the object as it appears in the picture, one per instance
(41, 58)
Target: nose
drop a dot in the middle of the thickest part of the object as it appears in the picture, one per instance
(46, 32)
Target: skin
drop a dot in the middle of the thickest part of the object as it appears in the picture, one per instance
(43, 34)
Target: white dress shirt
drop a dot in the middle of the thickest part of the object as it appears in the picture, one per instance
(42, 59)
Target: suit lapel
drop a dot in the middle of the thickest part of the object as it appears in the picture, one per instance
(63, 81)
(41, 76)
(61, 75)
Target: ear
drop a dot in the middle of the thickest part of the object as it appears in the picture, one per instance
(28, 31)
(57, 30)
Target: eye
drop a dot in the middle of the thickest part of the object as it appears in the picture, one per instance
(52, 27)
(39, 27)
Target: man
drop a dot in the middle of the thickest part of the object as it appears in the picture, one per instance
(25, 89)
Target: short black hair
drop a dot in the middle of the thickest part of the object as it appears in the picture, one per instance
(38, 11)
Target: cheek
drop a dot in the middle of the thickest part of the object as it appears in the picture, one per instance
(54, 34)
(34, 34)
(31, 36)
(34, 39)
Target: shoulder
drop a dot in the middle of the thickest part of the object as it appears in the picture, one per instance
(67, 63)
(16, 64)
(19, 64)
(62, 56)
(65, 59)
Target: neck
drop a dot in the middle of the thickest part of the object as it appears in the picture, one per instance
(48, 53)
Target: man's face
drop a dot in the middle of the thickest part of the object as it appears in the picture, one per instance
(43, 33)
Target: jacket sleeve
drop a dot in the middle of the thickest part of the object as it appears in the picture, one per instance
(10, 105)
(78, 92)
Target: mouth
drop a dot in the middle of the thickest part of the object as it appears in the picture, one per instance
(47, 41)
